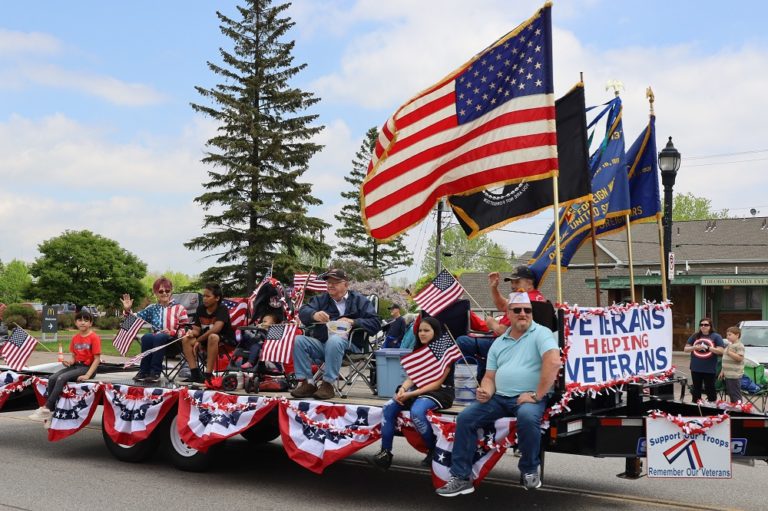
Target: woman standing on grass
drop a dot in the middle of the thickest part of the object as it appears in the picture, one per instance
(168, 320)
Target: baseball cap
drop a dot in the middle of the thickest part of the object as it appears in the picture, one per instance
(335, 273)
(521, 272)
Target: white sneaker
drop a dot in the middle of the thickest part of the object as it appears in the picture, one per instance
(41, 414)
(47, 423)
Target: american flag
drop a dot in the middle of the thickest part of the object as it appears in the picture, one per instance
(238, 310)
(490, 122)
(17, 349)
(427, 365)
(128, 330)
(310, 280)
(278, 347)
(439, 294)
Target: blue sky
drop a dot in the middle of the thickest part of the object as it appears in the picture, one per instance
(96, 131)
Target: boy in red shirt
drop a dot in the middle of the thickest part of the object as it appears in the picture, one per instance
(86, 353)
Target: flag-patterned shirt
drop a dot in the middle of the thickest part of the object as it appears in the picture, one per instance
(169, 317)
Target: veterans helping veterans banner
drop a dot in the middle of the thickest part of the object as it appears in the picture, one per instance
(610, 344)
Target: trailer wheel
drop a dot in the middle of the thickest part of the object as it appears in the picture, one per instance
(130, 453)
(183, 456)
(266, 430)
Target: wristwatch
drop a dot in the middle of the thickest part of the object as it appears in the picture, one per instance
(535, 396)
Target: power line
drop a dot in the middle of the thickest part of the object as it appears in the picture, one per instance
(726, 154)
(726, 162)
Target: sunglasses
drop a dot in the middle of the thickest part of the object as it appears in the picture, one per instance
(520, 310)
(163, 291)
(704, 324)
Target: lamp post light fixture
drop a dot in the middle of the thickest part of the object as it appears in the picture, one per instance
(669, 163)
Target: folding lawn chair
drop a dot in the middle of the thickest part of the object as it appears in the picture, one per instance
(759, 397)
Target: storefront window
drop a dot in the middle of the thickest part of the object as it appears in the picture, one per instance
(741, 298)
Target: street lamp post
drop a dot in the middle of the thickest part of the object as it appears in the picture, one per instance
(669, 163)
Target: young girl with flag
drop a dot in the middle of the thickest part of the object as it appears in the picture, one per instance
(438, 394)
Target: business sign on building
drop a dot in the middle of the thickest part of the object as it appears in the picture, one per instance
(734, 281)
(674, 453)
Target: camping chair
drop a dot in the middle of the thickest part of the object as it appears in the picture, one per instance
(454, 318)
(760, 397)
(174, 359)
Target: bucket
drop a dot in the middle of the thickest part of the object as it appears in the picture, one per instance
(465, 383)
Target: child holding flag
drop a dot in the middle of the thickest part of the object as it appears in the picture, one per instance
(86, 354)
(437, 394)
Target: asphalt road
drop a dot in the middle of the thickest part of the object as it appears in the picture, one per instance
(78, 473)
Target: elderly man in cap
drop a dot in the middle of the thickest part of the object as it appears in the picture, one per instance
(340, 304)
(522, 366)
(476, 347)
(395, 329)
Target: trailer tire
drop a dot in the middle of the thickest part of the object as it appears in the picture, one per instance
(130, 453)
(266, 430)
(181, 455)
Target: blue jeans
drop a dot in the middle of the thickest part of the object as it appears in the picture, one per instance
(479, 414)
(419, 410)
(153, 364)
(476, 348)
(331, 352)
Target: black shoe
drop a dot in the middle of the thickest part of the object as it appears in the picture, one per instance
(381, 460)
(152, 378)
(139, 377)
(427, 461)
(195, 377)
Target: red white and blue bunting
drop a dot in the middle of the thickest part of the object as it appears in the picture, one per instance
(317, 434)
(74, 409)
(11, 382)
(131, 414)
(207, 417)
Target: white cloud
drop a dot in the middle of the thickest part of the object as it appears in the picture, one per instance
(328, 167)
(14, 43)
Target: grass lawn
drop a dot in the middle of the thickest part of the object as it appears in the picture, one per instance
(66, 335)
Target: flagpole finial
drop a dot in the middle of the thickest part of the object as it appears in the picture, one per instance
(651, 98)
(615, 85)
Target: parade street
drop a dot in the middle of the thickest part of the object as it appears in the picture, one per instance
(263, 477)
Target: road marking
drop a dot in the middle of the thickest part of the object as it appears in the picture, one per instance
(27, 419)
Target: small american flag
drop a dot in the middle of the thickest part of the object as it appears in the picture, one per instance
(238, 310)
(310, 280)
(18, 348)
(427, 365)
(439, 294)
(278, 347)
(128, 330)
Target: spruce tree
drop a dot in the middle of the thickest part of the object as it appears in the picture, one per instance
(256, 206)
(385, 258)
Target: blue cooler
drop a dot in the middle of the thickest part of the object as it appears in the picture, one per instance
(389, 372)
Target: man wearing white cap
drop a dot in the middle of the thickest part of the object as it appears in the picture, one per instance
(522, 366)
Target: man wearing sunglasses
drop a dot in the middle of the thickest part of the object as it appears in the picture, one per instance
(522, 366)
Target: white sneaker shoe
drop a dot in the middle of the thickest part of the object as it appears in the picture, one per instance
(47, 423)
(41, 414)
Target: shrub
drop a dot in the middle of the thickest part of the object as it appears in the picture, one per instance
(108, 322)
(66, 321)
(25, 311)
(18, 319)
(35, 323)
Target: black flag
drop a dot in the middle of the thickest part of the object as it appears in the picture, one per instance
(490, 209)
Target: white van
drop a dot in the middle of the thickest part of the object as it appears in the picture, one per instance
(754, 336)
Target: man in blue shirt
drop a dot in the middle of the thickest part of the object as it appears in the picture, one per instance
(522, 366)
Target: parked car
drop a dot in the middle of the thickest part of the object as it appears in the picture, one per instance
(93, 310)
(754, 336)
(65, 308)
(35, 305)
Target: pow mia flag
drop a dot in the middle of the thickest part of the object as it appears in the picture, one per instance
(495, 207)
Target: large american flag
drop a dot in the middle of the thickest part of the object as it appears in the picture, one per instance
(427, 365)
(490, 122)
(238, 310)
(278, 347)
(17, 349)
(310, 281)
(439, 294)
(128, 330)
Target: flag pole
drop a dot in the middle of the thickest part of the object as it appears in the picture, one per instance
(445, 327)
(556, 207)
(663, 273)
(629, 255)
(594, 253)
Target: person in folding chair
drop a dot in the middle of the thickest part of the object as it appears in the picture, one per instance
(212, 326)
(168, 320)
(339, 304)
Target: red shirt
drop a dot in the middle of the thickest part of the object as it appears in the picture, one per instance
(85, 348)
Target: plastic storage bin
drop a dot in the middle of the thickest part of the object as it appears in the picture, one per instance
(389, 372)
(465, 379)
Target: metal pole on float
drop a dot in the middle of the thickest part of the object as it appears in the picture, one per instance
(629, 259)
(662, 258)
(556, 207)
(439, 236)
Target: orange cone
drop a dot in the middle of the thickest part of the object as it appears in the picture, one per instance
(61, 353)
